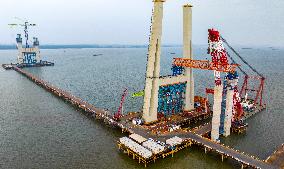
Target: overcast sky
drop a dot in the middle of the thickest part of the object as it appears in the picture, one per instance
(248, 22)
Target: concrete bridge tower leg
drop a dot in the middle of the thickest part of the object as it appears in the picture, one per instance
(36, 46)
(153, 65)
(187, 53)
(218, 91)
(229, 111)
(20, 48)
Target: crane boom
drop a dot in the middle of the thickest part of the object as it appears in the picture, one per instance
(119, 112)
(204, 64)
(26, 24)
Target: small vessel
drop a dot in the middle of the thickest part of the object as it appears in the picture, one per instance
(97, 54)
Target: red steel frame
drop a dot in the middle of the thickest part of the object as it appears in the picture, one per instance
(259, 92)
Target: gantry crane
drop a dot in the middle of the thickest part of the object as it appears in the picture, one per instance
(26, 25)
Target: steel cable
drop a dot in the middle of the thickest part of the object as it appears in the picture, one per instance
(252, 68)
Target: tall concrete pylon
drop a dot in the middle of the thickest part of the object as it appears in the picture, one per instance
(218, 92)
(153, 65)
(187, 53)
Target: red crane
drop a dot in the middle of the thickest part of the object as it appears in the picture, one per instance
(220, 56)
(119, 112)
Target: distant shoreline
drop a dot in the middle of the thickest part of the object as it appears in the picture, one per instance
(11, 47)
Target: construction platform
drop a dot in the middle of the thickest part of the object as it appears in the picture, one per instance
(125, 124)
(188, 138)
(23, 65)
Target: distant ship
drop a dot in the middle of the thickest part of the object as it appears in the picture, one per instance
(97, 54)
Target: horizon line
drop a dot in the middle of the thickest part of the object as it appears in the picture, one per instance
(65, 46)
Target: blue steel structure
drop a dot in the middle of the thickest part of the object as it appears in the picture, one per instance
(171, 99)
(29, 58)
(177, 70)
